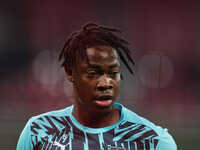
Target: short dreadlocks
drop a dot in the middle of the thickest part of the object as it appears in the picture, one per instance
(92, 35)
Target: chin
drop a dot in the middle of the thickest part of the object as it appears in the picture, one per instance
(104, 109)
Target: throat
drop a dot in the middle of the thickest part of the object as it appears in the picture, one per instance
(96, 119)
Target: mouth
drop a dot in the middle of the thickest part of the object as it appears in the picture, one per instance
(104, 100)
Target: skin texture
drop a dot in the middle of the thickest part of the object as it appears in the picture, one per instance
(95, 82)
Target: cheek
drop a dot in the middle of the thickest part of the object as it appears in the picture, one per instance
(84, 88)
(117, 87)
(118, 78)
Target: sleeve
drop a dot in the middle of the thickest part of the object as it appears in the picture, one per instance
(24, 142)
(166, 141)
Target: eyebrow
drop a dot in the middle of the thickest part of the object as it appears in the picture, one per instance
(114, 65)
(93, 65)
(98, 66)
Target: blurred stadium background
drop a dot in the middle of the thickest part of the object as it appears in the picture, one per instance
(164, 36)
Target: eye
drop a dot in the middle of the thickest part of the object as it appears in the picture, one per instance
(114, 73)
(92, 73)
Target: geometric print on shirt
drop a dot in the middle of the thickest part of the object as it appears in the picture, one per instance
(59, 133)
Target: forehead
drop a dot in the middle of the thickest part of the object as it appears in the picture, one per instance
(102, 54)
(99, 57)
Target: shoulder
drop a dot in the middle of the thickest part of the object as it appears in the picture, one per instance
(42, 126)
(53, 120)
(164, 140)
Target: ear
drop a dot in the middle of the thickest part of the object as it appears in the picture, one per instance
(69, 75)
(70, 78)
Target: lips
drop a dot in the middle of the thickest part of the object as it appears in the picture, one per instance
(104, 100)
(104, 97)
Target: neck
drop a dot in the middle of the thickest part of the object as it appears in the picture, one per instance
(95, 119)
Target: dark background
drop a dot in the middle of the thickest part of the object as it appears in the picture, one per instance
(165, 42)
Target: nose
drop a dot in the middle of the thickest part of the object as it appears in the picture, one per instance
(104, 83)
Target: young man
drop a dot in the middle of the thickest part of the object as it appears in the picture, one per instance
(95, 121)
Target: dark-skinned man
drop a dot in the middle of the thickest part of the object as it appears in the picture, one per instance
(91, 59)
